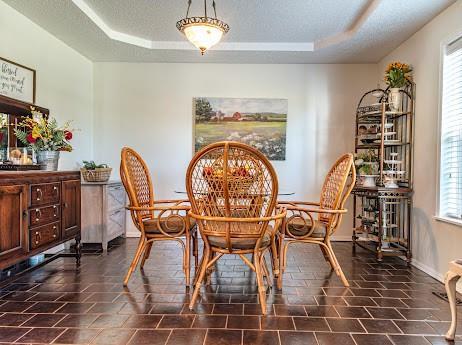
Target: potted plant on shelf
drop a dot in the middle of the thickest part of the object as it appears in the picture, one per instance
(397, 75)
(45, 137)
(92, 172)
(367, 164)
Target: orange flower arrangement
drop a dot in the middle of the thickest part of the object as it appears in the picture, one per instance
(398, 74)
(44, 134)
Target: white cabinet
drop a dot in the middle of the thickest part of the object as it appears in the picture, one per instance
(103, 212)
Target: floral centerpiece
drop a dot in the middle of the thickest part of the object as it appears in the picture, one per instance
(239, 178)
(397, 75)
(367, 164)
(45, 137)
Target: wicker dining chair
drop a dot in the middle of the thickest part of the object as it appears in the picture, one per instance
(315, 222)
(232, 189)
(157, 220)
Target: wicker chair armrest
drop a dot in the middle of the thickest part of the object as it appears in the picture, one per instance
(317, 210)
(160, 216)
(159, 208)
(176, 202)
(297, 213)
(296, 203)
(281, 215)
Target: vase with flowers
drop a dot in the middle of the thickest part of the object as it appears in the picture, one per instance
(397, 75)
(45, 137)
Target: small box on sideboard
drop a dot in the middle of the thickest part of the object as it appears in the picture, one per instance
(103, 204)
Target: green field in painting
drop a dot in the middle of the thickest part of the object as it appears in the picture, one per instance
(267, 136)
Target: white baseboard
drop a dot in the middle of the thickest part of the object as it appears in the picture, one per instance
(433, 273)
(427, 269)
(135, 234)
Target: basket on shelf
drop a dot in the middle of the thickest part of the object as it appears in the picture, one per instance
(96, 175)
(92, 172)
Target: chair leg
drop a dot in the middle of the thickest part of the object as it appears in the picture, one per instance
(187, 259)
(274, 257)
(209, 270)
(282, 261)
(147, 253)
(139, 251)
(450, 283)
(260, 283)
(196, 249)
(200, 278)
(337, 267)
(325, 253)
(266, 273)
(198, 268)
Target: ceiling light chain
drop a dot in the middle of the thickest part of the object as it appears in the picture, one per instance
(214, 5)
(189, 6)
(204, 32)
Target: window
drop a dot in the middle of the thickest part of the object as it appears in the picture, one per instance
(451, 133)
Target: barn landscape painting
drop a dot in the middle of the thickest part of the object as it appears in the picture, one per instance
(258, 122)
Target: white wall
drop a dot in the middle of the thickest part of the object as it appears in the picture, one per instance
(434, 243)
(149, 107)
(64, 77)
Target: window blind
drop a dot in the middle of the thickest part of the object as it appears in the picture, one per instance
(451, 133)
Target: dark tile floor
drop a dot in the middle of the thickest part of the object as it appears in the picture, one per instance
(387, 303)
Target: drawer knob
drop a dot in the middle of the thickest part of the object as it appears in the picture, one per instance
(36, 242)
(39, 194)
(38, 214)
(54, 227)
(54, 235)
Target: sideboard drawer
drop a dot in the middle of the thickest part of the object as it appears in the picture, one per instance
(44, 215)
(115, 197)
(46, 193)
(44, 235)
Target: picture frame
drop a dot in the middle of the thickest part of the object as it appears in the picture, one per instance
(258, 122)
(17, 81)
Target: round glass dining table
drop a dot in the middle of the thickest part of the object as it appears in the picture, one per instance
(282, 192)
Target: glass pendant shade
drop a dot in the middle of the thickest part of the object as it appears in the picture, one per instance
(204, 32)
(203, 36)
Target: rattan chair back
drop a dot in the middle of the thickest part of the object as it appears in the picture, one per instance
(137, 182)
(232, 187)
(337, 187)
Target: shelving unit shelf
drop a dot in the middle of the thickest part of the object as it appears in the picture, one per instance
(382, 214)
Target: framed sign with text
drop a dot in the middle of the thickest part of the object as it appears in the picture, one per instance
(17, 81)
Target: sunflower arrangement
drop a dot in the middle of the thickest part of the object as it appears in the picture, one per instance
(44, 134)
(398, 74)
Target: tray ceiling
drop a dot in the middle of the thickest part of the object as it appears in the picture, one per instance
(262, 31)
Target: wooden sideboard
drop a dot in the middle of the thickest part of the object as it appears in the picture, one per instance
(103, 204)
(38, 210)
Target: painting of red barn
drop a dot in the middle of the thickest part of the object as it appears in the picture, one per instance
(258, 122)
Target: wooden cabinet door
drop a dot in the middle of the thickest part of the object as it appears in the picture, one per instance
(70, 208)
(13, 221)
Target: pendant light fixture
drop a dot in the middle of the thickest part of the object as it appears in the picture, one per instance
(204, 32)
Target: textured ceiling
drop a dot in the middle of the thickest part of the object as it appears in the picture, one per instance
(265, 21)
